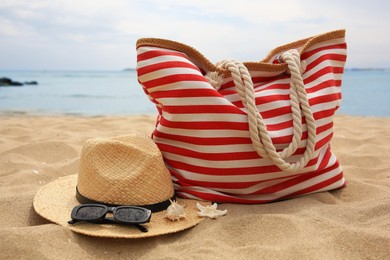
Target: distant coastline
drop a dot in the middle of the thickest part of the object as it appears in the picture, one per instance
(367, 69)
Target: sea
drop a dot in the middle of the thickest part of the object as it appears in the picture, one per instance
(366, 92)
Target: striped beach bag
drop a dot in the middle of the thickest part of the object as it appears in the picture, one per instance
(251, 132)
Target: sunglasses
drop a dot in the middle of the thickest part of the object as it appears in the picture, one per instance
(96, 213)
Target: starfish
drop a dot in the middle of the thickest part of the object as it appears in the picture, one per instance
(210, 211)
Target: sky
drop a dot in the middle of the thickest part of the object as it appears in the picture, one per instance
(101, 34)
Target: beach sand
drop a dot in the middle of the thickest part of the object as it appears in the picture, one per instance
(351, 223)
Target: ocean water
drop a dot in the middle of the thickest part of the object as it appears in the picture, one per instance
(103, 93)
(89, 93)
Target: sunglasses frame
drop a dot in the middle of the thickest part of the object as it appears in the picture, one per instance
(108, 209)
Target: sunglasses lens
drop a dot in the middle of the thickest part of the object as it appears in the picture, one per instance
(90, 213)
(132, 215)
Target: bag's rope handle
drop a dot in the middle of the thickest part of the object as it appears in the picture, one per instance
(259, 135)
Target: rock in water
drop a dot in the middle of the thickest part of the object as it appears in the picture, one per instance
(6, 82)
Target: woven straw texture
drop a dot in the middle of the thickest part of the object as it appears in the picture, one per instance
(113, 170)
(264, 65)
(56, 200)
(124, 170)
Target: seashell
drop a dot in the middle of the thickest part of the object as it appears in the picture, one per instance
(175, 211)
(210, 211)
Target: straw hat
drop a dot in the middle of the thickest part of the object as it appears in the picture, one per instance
(124, 170)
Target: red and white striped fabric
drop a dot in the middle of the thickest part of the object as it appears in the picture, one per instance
(203, 132)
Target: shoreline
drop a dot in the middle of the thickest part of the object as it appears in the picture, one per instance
(44, 114)
(21, 113)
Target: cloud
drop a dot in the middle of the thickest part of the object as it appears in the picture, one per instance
(106, 30)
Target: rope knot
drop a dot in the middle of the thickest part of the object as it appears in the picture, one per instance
(294, 55)
(214, 79)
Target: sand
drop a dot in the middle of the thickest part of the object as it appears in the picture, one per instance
(352, 223)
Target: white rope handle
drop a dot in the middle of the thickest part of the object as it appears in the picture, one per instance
(259, 135)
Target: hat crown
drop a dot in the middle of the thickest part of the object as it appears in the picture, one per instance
(124, 170)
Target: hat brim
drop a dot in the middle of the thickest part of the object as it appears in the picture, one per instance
(56, 200)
